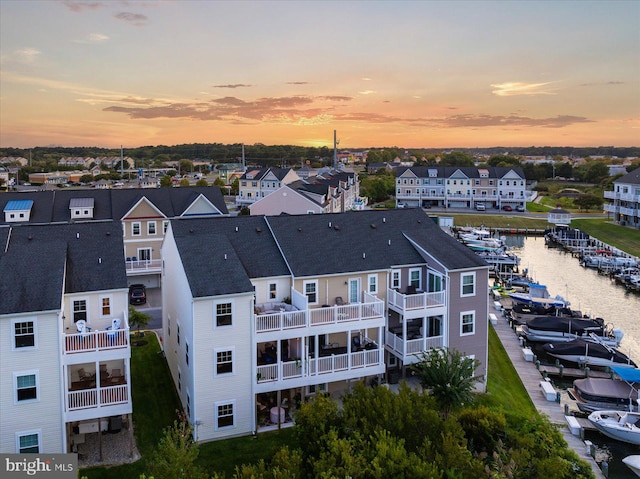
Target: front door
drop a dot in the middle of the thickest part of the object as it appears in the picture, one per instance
(354, 290)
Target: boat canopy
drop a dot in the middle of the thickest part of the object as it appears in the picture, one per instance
(564, 324)
(628, 374)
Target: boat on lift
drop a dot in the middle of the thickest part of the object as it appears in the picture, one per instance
(560, 329)
(539, 296)
(581, 352)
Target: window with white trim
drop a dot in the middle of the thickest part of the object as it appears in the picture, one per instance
(467, 323)
(224, 362)
(144, 254)
(28, 442)
(415, 278)
(316, 388)
(24, 334)
(79, 310)
(224, 314)
(434, 282)
(468, 284)
(372, 281)
(165, 225)
(26, 384)
(395, 279)
(136, 228)
(186, 352)
(311, 291)
(224, 415)
(105, 306)
(151, 227)
(273, 290)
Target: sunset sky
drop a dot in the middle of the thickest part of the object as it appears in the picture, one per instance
(382, 73)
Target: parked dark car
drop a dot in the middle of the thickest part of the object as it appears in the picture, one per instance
(137, 294)
(507, 208)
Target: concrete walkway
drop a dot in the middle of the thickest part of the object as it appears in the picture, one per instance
(531, 378)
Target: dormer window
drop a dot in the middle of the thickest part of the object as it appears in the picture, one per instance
(81, 207)
(17, 210)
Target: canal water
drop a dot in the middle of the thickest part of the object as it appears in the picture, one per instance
(595, 295)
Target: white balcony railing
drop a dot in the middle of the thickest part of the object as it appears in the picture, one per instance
(149, 265)
(406, 302)
(373, 308)
(612, 195)
(96, 341)
(97, 397)
(412, 346)
(315, 366)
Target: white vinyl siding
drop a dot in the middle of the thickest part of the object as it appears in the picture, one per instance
(29, 442)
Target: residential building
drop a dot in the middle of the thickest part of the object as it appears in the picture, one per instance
(257, 183)
(144, 215)
(460, 187)
(329, 192)
(64, 335)
(260, 313)
(624, 200)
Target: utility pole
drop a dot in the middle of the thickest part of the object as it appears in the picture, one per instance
(335, 151)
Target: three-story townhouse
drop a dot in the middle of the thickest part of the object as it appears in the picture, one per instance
(624, 200)
(257, 183)
(261, 312)
(64, 335)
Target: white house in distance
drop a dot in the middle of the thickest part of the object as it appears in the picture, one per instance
(257, 183)
(64, 337)
(625, 199)
(460, 187)
(259, 313)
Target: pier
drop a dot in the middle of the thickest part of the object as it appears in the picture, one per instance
(532, 380)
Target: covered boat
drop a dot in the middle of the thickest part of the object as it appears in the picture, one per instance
(633, 463)
(593, 394)
(619, 425)
(555, 329)
(587, 353)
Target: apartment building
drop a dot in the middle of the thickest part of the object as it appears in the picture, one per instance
(460, 187)
(328, 192)
(143, 213)
(261, 313)
(257, 183)
(624, 200)
(64, 335)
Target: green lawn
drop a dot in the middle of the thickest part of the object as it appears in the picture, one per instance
(504, 387)
(620, 237)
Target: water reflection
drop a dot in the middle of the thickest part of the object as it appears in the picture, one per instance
(593, 294)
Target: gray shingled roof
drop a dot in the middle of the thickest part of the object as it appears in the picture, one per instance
(53, 206)
(365, 240)
(469, 171)
(37, 258)
(632, 178)
(251, 253)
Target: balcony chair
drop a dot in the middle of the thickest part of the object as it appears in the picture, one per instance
(115, 376)
(81, 327)
(355, 344)
(339, 301)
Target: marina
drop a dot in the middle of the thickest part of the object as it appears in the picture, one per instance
(593, 295)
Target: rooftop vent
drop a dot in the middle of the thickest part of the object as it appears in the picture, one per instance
(258, 230)
(329, 224)
(78, 235)
(373, 226)
(191, 230)
(29, 237)
(364, 255)
(99, 260)
(299, 229)
(384, 220)
(336, 227)
(225, 256)
(389, 242)
(236, 229)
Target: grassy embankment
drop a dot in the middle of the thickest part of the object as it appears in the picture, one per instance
(155, 404)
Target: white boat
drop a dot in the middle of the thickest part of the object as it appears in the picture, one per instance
(620, 425)
(633, 463)
(539, 296)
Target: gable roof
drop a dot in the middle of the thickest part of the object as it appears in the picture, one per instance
(632, 178)
(365, 240)
(250, 250)
(468, 171)
(42, 259)
(54, 206)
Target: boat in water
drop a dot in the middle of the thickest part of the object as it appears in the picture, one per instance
(539, 296)
(620, 425)
(586, 353)
(521, 312)
(559, 329)
(633, 463)
(594, 394)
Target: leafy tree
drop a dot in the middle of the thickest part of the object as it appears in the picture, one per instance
(456, 158)
(202, 182)
(165, 182)
(587, 202)
(244, 211)
(185, 166)
(138, 319)
(448, 375)
(176, 454)
(504, 160)
(184, 182)
(378, 187)
(596, 171)
(235, 186)
(86, 178)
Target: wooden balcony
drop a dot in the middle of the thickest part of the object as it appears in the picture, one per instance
(332, 363)
(415, 301)
(92, 341)
(373, 308)
(98, 397)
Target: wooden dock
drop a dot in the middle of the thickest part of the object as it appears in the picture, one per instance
(531, 378)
